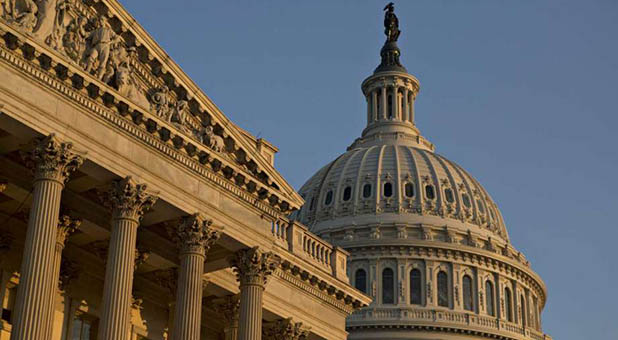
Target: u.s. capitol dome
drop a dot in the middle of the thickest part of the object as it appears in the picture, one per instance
(426, 240)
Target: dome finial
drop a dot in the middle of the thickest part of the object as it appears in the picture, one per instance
(390, 51)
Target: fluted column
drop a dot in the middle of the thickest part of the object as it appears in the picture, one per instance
(395, 103)
(406, 105)
(53, 162)
(285, 329)
(252, 267)
(66, 226)
(128, 201)
(194, 237)
(374, 105)
(228, 307)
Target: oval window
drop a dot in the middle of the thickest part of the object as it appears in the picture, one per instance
(347, 193)
(448, 193)
(466, 199)
(429, 192)
(388, 190)
(329, 197)
(367, 190)
(409, 189)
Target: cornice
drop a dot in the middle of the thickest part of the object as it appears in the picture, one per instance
(128, 118)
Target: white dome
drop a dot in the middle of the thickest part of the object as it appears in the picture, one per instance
(394, 184)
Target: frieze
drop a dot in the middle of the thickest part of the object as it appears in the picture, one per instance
(89, 37)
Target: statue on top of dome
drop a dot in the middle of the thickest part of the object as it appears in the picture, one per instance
(391, 23)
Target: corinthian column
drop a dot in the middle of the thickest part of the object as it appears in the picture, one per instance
(194, 237)
(252, 268)
(52, 162)
(128, 201)
(285, 329)
(66, 226)
(227, 307)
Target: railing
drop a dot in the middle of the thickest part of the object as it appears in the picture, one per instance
(298, 240)
(413, 316)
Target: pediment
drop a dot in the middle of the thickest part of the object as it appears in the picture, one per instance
(101, 50)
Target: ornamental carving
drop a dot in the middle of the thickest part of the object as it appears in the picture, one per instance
(128, 199)
(141, 256)
(69, 271)
(67, 225)
(2, 186)
(195, 235)
(253, 267)
(51, 159)
(228, 307)
(285, 329)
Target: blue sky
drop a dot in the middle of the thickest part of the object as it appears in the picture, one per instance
(522, 94)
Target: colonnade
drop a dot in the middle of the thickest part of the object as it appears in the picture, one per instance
(53, 161)
(390, 102)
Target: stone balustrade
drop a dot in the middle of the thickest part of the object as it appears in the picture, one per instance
(300, 241)
(420, 317)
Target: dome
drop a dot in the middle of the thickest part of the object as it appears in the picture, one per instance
(426, 241)
(395, 183)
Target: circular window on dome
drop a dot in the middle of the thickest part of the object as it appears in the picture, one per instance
(408, 189)
(430, 193)
(466, 200)
(347, 193)
(448, 193)
(329, 198)
(388, 189)
(367, 190)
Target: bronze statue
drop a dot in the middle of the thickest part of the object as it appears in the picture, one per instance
(391, 23)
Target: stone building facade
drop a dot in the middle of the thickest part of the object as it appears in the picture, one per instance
(426, 241)
(132, 208)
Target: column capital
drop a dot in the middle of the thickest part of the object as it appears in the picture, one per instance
(253, 267)
(66, 226)
(3, 185)
(141, 256)
(285, 329)
(52, 159)
(195, 235)
(228, 307)
(128, 199)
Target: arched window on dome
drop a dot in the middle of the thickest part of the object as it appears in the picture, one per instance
(388, 286)
(360, 280)
(468, 292)
(508, 304)
(430, 193)
(415, 287)
(312, 204)
(466, 200)
(408, 189)
(389, 105)
(367, 190)
(388, 189)
(442, 289)
(448, 194)
(489, 298)
(479, 203)
(524, 311)
(347, 193)
(401, 102)
(329, 198)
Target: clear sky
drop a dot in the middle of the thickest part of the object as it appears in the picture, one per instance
(522, 94)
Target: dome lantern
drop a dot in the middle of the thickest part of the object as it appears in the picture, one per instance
(390, 93)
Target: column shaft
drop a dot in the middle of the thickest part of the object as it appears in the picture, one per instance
(395, 104)
(250, 324)
(33, 292)
(384, 104)
(115, 315)
(374, 105)
(406, 106)
(188, 312)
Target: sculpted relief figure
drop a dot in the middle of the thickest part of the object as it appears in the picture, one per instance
(99, 45)
(212, 140)
(7, 9)
(27, 16)
(129, 87)
(74, 40)
(50, 26)
(179, 115)
(161, 102)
